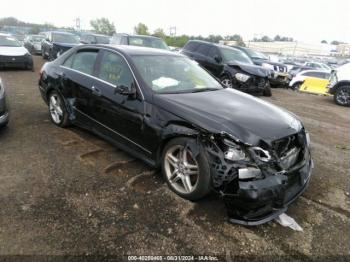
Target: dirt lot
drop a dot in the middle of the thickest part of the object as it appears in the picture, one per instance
(67, 192)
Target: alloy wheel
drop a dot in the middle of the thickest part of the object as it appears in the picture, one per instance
(343, 96)
(56, 109)
(181, 169)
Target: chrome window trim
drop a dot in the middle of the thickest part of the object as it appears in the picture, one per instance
(110, 129)
(91, 76)
(103, 81)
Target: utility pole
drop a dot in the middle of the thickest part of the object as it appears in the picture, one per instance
(77, 24)
(172, 31)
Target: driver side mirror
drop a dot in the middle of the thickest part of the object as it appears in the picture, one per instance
(218, 59)
(125, 90)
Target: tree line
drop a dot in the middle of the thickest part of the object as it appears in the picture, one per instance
(104, 26)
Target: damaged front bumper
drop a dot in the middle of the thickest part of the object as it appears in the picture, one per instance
(279, 78)
(260, 201)
(261, 186)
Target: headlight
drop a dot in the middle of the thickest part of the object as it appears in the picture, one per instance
(268, 66)
(234, 152)
(242, 77)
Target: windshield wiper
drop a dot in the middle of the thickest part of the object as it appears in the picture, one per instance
(204, 89)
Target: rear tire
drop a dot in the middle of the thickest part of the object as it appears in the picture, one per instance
(57, 110)
(342, 96)
(189, 176)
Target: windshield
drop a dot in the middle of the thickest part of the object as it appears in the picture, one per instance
(37, 38)
(148, 42)
(254, 54)
(9, 41)
(230, 54)
(65, 38)
(174, 74)
(102, 39)
(324, 66)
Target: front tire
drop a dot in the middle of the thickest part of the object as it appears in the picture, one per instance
(267, 92)
(43, 54)
(342, 96)
(186, 175)
(57, 110)
(297, 85)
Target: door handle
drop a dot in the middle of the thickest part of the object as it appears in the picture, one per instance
(96, 91)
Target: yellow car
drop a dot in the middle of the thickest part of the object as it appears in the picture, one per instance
(316, 86)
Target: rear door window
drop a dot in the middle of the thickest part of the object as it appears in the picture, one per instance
(203, 49)
(191, 46)
(213, 51)
(84, 61)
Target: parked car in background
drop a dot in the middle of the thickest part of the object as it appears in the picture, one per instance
(164, 108)
(33, 43)
(4, 114)
(339, 85)
(317, 65)
(310, 66)
(233, 67)
(139, 40)
(19, 37)
(280, 76)
(89, 38)
(56, 43)
(13, 54)
(299, 79)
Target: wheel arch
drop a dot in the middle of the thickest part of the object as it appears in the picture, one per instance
(171, 132)
(340, 84)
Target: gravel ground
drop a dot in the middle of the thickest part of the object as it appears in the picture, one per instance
(67, 192)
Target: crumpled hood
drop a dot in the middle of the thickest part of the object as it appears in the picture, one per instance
(13, 51)
(240, 115)
(251, 69)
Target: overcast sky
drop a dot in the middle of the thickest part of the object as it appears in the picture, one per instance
(307, 21)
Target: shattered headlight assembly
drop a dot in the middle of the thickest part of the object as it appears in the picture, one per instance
(242, 77)
(234, 152)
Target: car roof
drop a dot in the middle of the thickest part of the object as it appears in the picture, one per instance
(94, 34)
(61, 32)
(142, 36)
(210, 43)
(133, 50)
(310, 71)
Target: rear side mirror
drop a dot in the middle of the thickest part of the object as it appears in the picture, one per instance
(218, 59)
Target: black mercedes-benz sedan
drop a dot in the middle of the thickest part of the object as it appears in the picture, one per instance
(4, 114)
(165, 109)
